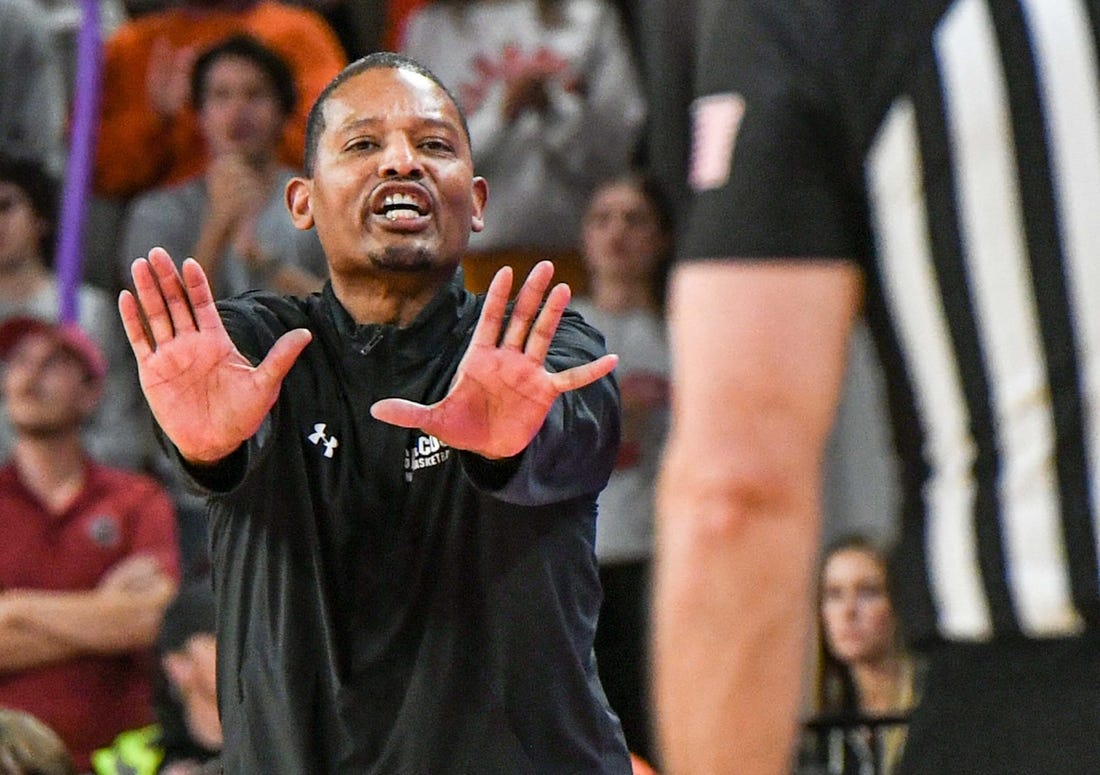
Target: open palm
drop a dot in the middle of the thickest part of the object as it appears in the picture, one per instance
(205, 395)
(502, 391)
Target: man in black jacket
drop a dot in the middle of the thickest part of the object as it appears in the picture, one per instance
(401, 475)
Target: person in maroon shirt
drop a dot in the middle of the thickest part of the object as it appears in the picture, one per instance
(89, 558)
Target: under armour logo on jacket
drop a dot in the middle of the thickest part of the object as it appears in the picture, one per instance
(319, 437)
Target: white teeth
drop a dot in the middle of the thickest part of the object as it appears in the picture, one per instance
(401, 206)
(399, 199)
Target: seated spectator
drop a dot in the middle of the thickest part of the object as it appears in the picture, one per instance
(119, 432)
(866, 675)
(29, 747)
(626, 237)
(233, 219)
(33, 103)
(89, 558)
(187, 736)
(553, 101)
(148, 136)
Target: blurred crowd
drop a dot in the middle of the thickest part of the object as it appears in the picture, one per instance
(107, 649)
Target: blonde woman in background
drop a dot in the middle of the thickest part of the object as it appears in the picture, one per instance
(865, 671)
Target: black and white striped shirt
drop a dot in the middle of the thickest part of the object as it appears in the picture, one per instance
(953, 149)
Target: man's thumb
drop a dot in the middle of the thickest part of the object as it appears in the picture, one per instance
(283, 354)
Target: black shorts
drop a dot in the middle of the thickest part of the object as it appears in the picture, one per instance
(1013, 708)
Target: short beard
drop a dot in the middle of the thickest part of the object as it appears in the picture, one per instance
(398, 259)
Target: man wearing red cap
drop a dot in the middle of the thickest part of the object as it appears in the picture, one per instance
(89, 557)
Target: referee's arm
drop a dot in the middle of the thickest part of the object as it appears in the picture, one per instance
(758, 353)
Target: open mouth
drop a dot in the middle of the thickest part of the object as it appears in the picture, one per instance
(403, 205)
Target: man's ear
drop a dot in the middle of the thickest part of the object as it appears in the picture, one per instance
(297, 194)
(481, 197)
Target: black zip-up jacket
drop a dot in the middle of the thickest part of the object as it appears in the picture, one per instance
(388, 604)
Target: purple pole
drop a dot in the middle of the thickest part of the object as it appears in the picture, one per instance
(78, 169)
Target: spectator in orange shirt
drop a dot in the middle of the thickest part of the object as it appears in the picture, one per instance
(148, 133)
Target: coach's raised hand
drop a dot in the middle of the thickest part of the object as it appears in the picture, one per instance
(502, 391)
(205, 395)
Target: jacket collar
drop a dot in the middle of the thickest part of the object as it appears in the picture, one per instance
(448, 314)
